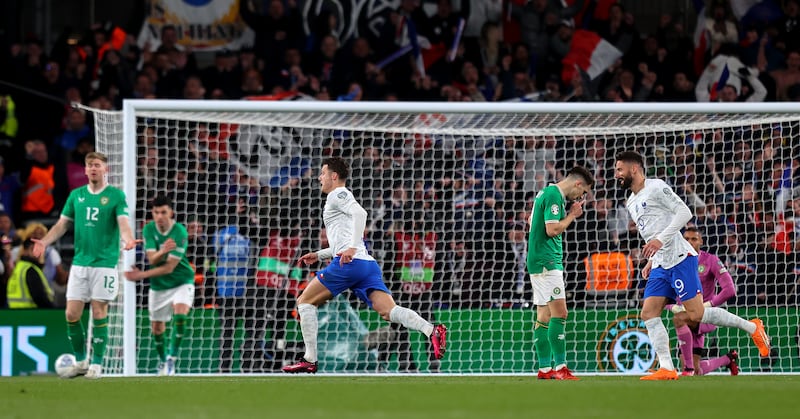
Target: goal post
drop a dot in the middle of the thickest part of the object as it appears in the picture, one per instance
(448, 187)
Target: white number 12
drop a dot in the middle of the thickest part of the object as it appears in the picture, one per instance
(91, 213)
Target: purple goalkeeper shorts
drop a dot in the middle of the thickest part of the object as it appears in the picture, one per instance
(360, 276)
(698, 339)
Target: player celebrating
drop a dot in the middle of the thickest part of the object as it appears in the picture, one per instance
(100, 216)
(171, 280)
(549, 219)
(671, 269)
(351, 268)
(712, 272)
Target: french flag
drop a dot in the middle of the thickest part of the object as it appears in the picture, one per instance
(701, 38)
(721, 83)
(589, 53)
(425, 54)
(758, 13)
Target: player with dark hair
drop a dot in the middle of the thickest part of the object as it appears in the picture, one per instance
(351, 267)
(171, 280)
(671, 269)
(549, 218)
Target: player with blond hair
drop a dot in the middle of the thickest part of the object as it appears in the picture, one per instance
(99, 213)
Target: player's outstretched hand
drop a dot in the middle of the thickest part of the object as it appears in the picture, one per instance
(135, 274)
(131, 244)
(308, 259)
(38, 247)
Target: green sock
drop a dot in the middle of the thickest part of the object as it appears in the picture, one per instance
(177, 334)
(99, 340)
(542, 345)
(558, 342)
(77, 337)
(159, 343)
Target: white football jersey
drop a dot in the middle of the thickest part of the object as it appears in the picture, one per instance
(652, 209)
(338, 220)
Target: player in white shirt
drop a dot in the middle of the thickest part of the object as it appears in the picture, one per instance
(671, 269)
(351, 268)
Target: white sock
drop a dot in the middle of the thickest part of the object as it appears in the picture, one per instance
(721, 317)
(309, 327)
(410, 319)
(660, 339)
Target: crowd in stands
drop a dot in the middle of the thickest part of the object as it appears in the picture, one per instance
(466, 216)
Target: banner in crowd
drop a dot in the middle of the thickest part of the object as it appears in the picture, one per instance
(203, 25)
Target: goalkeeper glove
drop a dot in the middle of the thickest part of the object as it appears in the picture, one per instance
(708, 304)
(677, 308)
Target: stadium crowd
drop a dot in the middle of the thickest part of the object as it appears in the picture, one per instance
(465, 216)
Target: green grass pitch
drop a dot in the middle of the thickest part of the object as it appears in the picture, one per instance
(389, 397)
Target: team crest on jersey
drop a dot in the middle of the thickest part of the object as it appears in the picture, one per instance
(103, 200)
(701, 268)
(341, 195)
(554, 209)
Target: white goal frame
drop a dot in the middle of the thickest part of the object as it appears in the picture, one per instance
(133, 106)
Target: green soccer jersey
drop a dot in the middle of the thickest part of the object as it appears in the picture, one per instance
(546, 252)
(94, 216)
(183, 272)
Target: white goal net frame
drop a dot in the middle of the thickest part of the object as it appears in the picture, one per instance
(494, 333)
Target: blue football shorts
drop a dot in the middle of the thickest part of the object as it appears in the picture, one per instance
(680, 281)
(360, 276)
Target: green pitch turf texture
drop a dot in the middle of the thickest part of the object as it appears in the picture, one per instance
(440, 397)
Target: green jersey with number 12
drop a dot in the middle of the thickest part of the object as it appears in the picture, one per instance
(94, 216)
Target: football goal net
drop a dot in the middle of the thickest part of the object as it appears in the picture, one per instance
(448, 188)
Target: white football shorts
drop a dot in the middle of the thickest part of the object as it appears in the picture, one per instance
(86, 284)
(547, 286)
(160, 302)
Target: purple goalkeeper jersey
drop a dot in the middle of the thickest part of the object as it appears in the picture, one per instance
(712, 272)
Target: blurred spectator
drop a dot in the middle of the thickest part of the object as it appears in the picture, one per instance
(788, 38)
(51, 265)
(232, 247)
(200, 253)
(788, 76)
(276, 31)
(721, 26)
(415, 269)
(224, 76)
(278, 283)
(722, 80)
(38, 179)
(27, 287)
(9, 191)
(76, 165)
(7, 228)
